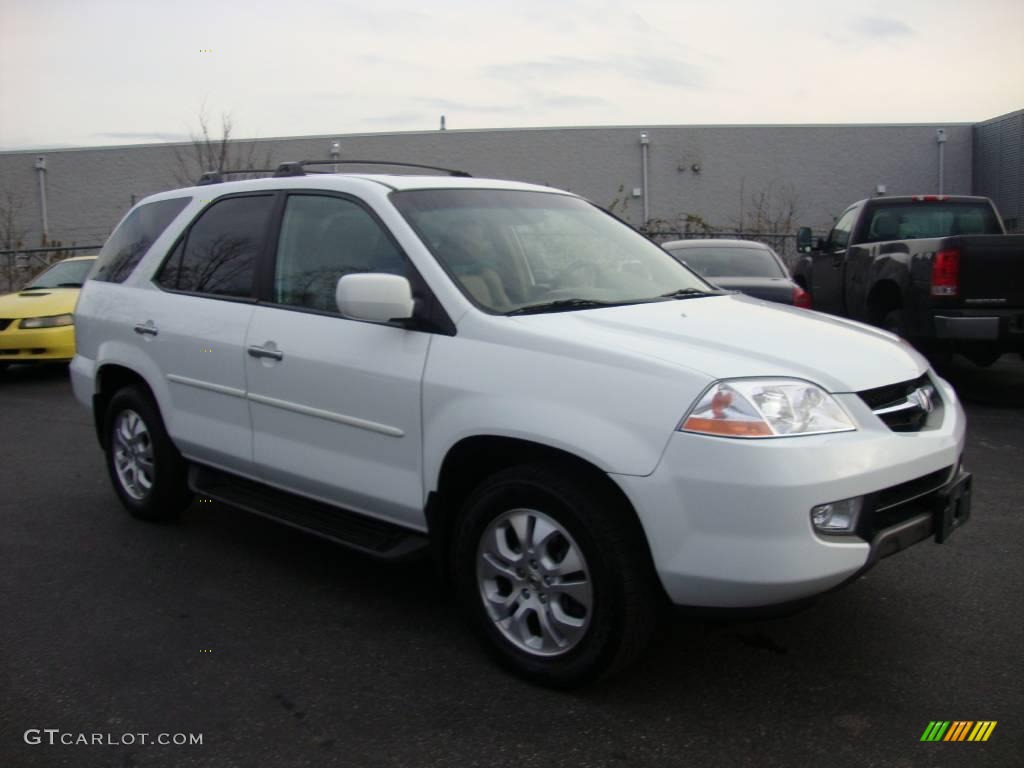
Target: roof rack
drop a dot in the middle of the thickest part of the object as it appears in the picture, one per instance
(216, 177)
(298, 168)
(291, 169)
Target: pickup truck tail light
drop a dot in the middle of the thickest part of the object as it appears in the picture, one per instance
(946, 272)
(801, 298)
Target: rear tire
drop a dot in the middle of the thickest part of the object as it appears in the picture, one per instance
(983, 359)
(148, 473)
(554, 575)
(893, 322)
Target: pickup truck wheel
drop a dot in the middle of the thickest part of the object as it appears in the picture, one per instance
(893, 322)
(146, 469)
(554, 576)
(984, 358)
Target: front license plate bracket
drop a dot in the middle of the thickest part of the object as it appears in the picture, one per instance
(954, 507)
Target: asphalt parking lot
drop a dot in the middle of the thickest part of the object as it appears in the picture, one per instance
(282, 650)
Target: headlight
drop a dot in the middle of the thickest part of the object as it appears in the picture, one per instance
(53, 321)
(766, 408)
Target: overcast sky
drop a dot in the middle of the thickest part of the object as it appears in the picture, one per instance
(94, 72)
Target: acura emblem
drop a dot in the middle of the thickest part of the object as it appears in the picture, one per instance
(922, 397)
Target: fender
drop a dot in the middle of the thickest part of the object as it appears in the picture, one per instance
(600, 442)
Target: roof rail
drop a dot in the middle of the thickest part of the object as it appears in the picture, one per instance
(216, 177)
(297, 168)
(449, 171)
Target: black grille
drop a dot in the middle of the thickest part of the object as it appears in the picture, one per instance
(898, 503)
(911, 419)
(4, 323)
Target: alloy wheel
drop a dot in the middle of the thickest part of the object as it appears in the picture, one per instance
(534, 582)
(133, 454)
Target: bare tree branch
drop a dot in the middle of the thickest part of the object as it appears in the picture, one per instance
(209, 152)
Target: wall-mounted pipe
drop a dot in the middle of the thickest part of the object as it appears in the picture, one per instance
(40, 166)
(940, 138)
(644, 143)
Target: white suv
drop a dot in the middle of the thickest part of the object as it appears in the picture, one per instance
(580, 428)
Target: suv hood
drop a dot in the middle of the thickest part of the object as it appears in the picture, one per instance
(734, 336)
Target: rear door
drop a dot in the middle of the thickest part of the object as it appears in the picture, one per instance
(194, 327)
(827, 288)
(335, 402)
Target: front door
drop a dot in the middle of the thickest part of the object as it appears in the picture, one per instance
(335, 403)
(830, 266)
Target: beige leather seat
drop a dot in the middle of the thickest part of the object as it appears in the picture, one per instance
(463, 255)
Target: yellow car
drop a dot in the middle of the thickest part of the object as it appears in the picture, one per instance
(36, 323)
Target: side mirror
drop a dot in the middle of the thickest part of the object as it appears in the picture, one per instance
(804, 238)
(375, 297)
(821, 244)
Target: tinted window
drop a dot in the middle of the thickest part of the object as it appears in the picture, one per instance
(840, 235)
(727, 261)
(64, 274)
(220, 251)
(323, 239)
(125, 248)
(910, 221)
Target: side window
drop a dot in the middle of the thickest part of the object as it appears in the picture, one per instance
(322, 239)
(125, 248)
(839, 238)
(220, 251)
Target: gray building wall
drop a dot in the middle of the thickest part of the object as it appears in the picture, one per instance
(999, 165)
(825, 166)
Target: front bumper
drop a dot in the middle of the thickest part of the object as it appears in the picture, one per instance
(728, 520)
(36, 345)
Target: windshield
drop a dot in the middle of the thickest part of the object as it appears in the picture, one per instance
(63, 274)
(912, 221)
(729, 261)
(508, 250)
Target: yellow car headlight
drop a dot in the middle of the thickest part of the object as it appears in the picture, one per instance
(53, 321)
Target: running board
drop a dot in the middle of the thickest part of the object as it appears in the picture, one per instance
(365, 534)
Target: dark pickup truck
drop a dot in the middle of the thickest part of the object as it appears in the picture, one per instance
(938, 270)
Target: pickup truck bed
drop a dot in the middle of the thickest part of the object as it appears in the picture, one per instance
(960, 291)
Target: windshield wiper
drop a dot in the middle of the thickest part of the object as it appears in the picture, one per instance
(689, 293)
(560, 304)
(68, 285)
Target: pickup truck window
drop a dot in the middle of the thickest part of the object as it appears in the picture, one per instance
(839, 238)
(912, 221)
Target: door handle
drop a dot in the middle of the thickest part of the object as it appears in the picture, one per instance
(266, 353)
(146, 329)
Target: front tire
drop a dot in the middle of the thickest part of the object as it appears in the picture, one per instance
(893, 323)
(148, 473)
(554, 575)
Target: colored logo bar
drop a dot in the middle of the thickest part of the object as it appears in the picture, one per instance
(958, 730)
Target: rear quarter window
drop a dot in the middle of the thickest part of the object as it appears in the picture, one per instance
(127, 245)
